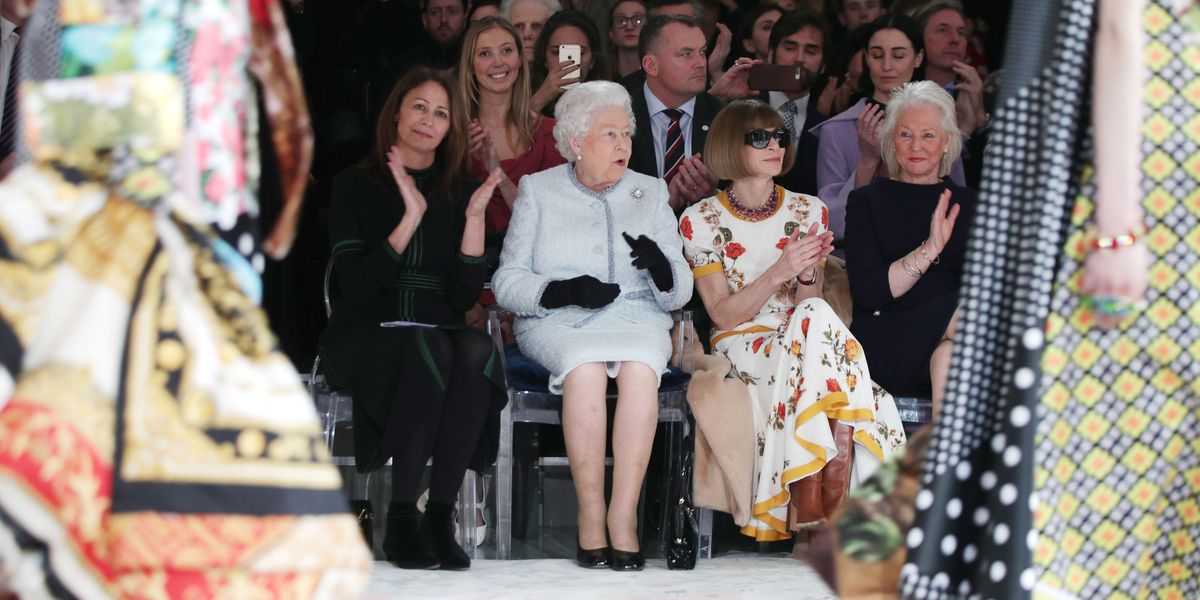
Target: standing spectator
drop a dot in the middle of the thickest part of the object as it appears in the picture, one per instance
(528, 17)
(670, 101)
(565, 27)
(799, 39)
(624, 29)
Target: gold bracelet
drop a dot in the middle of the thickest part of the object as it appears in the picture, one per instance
(921, 250)
(912, 271)
(1113, 242)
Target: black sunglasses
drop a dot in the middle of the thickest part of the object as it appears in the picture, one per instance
(759, 138)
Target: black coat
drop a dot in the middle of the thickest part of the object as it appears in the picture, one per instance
(643, 159)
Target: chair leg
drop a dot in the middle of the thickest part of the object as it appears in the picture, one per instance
(466, 513)
(504, 485)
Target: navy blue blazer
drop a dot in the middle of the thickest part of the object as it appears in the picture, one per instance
(802, 177)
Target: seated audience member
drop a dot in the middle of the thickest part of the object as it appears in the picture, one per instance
(625, 27)
(798, 38)
(505, 129)
(592, 265)
(849, 155)
(528, 17)
(705, 14)
(843, 70)
(408, 231)
(852, 14)
(481, 9)
(945, 38)
(754, 33)
(565, 27)
(444, 22)
(756, 251)
(906, 237)
(907, 8)
(670, 102)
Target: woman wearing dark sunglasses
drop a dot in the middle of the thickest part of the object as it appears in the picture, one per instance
(757, 252)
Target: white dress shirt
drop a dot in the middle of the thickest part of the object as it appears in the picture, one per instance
(8, 45)
(659, 122)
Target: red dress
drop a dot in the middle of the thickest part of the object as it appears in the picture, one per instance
(542, 155)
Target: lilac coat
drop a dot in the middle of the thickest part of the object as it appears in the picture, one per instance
(837, 159)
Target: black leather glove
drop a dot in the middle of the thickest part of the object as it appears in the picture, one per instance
(585, 291)
(648, 256)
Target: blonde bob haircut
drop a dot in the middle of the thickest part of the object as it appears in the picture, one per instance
(725, 148)
(928, 93)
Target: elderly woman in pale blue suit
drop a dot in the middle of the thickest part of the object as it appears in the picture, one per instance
(592, 265)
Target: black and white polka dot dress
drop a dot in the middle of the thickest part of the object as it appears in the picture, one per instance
(1067, 460)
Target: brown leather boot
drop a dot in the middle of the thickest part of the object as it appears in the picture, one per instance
(806, 508)
(836, 483)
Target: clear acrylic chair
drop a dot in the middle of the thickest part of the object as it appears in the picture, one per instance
(335, 409)
(538, 406)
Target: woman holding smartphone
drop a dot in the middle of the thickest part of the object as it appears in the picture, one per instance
(567, 52)
(756, 252)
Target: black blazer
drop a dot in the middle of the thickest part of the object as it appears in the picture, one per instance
(643, 159)
(802, 178)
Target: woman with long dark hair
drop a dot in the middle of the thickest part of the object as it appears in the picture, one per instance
(550, 75)
(407, 233)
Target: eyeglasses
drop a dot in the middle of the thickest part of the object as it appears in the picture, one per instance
(760, 138)
(623, 22)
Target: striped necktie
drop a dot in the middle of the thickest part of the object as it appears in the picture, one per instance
(9, 125)
(673, 145)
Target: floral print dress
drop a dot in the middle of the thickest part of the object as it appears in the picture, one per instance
(799, 361)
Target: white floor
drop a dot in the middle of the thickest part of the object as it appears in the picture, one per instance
(727, 577)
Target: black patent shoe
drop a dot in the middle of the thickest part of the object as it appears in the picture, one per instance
(627, 561)
(592, 559)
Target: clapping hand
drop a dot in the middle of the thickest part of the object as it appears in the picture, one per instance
(649, 257)
(803, 253)
(941, 224)
(482, 148)
(868, 130)
(483, 194)
(692, 183)
(414, 200)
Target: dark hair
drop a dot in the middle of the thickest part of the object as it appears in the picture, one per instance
(477, 4)
(724, 148)
(926, 11)
(652, 30)
(612, 10)
(903, 24)
(451, 154)
(906, 7)
(609, 45)
(746, 28)
(794, 21)
(423, 4)
(698, 9)
(580, 21)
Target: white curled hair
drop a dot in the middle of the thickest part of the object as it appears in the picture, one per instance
(927, 93)
(506, 6)
(574, 111)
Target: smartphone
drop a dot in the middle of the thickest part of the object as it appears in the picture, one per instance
(571, 52)
(780, 78)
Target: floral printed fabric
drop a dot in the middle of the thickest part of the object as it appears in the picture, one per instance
(798, 360)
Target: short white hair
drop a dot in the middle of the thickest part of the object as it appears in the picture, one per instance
(506, 6)
(575, 109)
(926, 93)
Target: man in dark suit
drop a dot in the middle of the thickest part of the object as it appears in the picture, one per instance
(672, 109)
(798, 38)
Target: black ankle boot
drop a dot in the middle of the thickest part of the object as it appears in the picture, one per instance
(438, 530)
(403, 544)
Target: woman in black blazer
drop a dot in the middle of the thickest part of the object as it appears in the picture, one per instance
(905, 245)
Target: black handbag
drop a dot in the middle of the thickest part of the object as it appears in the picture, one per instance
(682, 525)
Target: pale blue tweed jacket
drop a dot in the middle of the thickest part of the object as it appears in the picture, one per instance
(559, 230)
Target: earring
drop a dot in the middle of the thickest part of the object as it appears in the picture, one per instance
(578, 157)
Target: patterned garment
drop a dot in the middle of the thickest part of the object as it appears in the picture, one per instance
(1084, 481)
(799, 362)
(154, 442)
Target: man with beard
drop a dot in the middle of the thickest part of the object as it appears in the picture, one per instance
(444, 22)
(798, 38)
